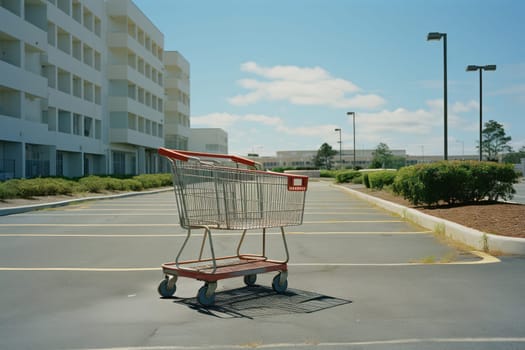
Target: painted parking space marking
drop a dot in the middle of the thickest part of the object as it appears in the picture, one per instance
(89, 225)
(484, 259)
(352, 221)
(302, 233)
(171, 225)
(173, 212)
(337, 345)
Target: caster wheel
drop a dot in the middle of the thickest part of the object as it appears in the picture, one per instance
(250, 280)
(165, 290)
(278, 285)
(206, 295)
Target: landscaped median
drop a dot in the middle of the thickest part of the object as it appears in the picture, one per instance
(474, 238)
(455, 190)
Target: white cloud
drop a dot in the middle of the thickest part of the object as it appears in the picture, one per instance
(460, 107)
(419, 131)
(517, 92)
(229, 121)
(302, 86)
(400, 128)
(314, 130)
(263, 119)
(286, 72)
(215, 120)
(398, 121)
(224, 120)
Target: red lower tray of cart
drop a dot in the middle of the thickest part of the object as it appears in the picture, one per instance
(248, 266)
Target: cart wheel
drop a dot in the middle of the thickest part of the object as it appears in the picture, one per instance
(250, 280)
(206, 294)
(165, 290)
(278, 285)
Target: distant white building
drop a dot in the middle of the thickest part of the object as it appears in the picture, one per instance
(305, 159)
(210, 140)
(83, 89)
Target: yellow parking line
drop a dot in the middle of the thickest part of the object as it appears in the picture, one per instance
(351, 221)
(81, 269)
(87, 235)
(69, 214)
(359, 233)
(88, 225)
(172, 225)
(138, 235)
(484, 259)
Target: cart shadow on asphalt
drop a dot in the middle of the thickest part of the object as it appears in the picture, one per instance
(260, 301)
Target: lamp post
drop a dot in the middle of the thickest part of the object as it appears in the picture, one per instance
(353, 128)
(438, 36)
(340, 148)
(473, 68)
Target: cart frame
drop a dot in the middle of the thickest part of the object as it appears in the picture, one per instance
(239, 196)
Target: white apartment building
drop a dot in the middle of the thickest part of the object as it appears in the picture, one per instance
(81, 88)
(177, 107)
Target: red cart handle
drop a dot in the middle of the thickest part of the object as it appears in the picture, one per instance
(186, 155)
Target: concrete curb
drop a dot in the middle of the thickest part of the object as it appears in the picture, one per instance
(26, 208)
(469, 236)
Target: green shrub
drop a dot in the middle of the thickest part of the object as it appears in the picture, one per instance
(28, 188)
(328, 173)
(343, 176)
(358, 180)
(57, 186)
(94, 184)
(9, 189)
(455, 182)
(154, 180)
(132, 185)
(379, 179)
(366, 180)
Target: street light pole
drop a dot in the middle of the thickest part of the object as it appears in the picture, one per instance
(438, 36)
(340, 148)
(353, 128)
(473, 68)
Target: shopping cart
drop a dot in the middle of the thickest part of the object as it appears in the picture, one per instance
(227, 192)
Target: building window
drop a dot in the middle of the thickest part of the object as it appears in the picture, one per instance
(64, 122)
(119, 163)
(88, 127)
(77, 123)
(59, 164)
(98, 129)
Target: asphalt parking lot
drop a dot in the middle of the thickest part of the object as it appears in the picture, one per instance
(85, 276)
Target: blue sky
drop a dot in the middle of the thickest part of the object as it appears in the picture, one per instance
(281, 74)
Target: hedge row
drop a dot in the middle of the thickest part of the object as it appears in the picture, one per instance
(371, 179)
(28, 188)
(449, 182)
(455, 182)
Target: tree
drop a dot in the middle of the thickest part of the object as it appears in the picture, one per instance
(382, 157)
(324, 156)
(494, 140)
